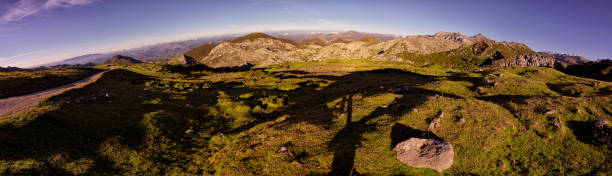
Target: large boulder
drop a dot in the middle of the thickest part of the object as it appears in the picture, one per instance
(426, 153)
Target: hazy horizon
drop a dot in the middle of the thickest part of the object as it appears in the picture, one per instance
(35, 32)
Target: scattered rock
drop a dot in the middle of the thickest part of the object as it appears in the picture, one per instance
(495, 83)
(435, 123)
(107, 95)
(425, 153)
(550, 112)
(596, 84)
(486, 81)
(189, 131)
(557, 123)
(500, 75)
(460, 119)
(503, 166)
(433, 97)
(415, 110)
(602, 133)
(480, 89)
(282, 149)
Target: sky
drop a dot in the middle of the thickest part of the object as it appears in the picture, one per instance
(34, 32)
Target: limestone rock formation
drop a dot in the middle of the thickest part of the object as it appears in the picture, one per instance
(529, 60)
(426, 153)
(458, 37)
(183, 59)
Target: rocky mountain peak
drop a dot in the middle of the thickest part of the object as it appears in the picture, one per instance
(459, 37)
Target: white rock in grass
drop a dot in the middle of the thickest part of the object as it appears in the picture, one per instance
(426, 153)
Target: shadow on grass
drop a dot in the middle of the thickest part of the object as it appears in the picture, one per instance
(583, 130)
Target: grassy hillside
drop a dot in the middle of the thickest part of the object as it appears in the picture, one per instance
(334, 116)
(200, 52)
(25, 82)
(119, 59)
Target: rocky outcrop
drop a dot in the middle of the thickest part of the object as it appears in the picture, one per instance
(566, 59)
(529, 60)
(458, 37)
(602, 133)
(259, 51)
(183, 59)
(426, 153)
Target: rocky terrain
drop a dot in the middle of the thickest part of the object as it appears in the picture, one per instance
(263, 50)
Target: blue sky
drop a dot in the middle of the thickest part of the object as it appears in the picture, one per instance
(34, 32)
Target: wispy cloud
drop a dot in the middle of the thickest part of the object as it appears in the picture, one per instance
(24, 8)
(12, 59)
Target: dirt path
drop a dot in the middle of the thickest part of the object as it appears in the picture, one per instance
(13, 105)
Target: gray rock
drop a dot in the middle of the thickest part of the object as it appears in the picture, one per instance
(425, 153)
(528, 60)
(435, 123)
(557, 123)
(183, 59)
(602, 133)
(486, 81)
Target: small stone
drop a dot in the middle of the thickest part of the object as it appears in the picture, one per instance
(435, 123)
(550, 112)
(432, 97)
(415, 110)
(495, 83)
(107, 95)
(282, 149)
(486, 81)
(503, 166)
(189, 131)
(501, 75)
(462, 120)
(67, 102)
(557, 123)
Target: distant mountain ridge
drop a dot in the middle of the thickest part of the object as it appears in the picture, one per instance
(119, 59)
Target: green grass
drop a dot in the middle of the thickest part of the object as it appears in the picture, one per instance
(333, 116)
(23, 82)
